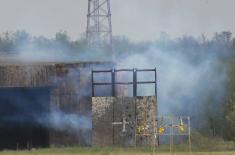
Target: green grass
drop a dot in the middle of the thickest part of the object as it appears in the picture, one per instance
(201, 145)
(164, 150)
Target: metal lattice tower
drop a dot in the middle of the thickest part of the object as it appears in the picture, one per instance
(99, 25)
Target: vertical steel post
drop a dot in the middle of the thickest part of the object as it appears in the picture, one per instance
(189, 135)
(156, 82)
(134, 82)
(171, 135)
(92, 81)
(88, 19)
(155, 72)
(113, 83)
(113, 94)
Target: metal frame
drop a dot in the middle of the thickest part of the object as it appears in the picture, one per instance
(113, 82)
(171, 126)
(99, 24)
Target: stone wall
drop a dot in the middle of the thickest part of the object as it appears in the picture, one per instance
(102, 118)
(139, 113)
(146, 112)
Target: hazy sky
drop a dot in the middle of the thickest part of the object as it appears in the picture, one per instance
(137, 19)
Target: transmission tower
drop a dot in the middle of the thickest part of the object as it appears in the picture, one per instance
(99, 25)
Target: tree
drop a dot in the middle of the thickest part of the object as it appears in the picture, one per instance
(6, 42)
(230, 108)
(62, 41)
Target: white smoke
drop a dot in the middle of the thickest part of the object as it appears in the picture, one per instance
(183, 85)
(69, 122)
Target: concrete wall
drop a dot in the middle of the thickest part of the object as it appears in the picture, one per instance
(140, 112)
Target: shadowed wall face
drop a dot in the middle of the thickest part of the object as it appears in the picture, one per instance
(23, 94)
(21, 110)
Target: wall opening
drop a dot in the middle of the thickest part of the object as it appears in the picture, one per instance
(21, 112)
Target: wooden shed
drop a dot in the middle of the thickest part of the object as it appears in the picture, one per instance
(37, 100)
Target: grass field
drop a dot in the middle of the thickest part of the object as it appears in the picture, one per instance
(107, 151)
(200, 146)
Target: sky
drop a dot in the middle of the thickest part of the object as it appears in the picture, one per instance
(139, 20)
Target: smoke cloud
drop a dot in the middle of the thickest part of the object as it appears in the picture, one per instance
(187, 84)
(192, 74)
(67, 122)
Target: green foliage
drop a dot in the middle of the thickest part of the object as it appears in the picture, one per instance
(205, 143)
(230, 111)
